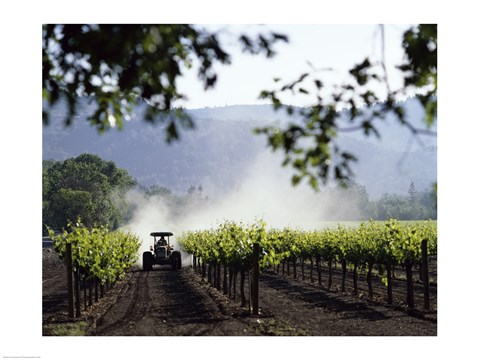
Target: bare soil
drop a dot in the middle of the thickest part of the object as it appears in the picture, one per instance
(170, 303)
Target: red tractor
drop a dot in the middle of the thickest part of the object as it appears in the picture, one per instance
(162, 253)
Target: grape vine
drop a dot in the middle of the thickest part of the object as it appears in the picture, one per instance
(390, 243)
(97, 252)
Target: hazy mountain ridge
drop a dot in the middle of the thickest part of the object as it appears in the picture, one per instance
(222, 148)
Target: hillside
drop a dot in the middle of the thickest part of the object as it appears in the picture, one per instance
(222, 150)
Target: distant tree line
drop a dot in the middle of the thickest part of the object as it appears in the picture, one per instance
(95, 190)
(353, 203)
(412, 206)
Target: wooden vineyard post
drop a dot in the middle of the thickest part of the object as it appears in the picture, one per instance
(330, 274)
(68, 259)
(214, 283)
(209, 273)
(225, 279)
(355, 279)
(84, 292)
(96, 289)
(389, 284)
(219, 277)
(426, 288)
(319, 269)
(230, 280)
(311, 270)
(90, 300)
(295, 267)
(235, 272)
(76, 275)
(302, 264)
(255, 276)
(249, 291)
(409, 273)
(242, 287)
(369, 280)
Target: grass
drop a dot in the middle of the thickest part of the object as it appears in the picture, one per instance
(75, 328)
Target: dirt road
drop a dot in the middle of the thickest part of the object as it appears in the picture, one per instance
(165, 302)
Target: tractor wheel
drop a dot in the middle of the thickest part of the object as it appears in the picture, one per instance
(147, 261)
(176, 261)
(179, 259)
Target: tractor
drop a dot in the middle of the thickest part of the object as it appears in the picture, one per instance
(162, 253)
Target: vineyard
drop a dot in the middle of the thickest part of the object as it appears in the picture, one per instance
(240, 248)
(96, 257)
(246, 279)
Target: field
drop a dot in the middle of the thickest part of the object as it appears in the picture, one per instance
(170, 303)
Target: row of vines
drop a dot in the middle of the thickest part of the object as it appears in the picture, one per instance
(381, 245)
(96, 257)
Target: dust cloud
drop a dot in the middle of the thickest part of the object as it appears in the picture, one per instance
(264, 192)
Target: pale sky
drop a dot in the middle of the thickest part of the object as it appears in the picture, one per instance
(338, 47)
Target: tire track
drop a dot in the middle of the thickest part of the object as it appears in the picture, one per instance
(53, 278)
(135, 310)
(162, 302)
